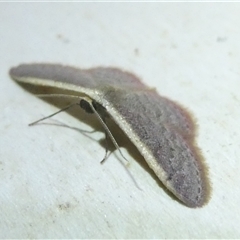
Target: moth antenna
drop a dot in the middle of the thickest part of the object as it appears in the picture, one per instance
(51, 115)
(106, 129)
(61, 110)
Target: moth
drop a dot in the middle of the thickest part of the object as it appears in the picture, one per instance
(162, 130)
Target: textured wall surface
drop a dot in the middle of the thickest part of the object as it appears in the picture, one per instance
(52, 184)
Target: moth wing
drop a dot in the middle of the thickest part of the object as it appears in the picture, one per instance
(162, 131)
(151, 122)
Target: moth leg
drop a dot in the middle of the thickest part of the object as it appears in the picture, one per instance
(108, 132)
(106, 148)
